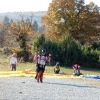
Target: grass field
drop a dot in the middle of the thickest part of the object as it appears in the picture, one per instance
(4, 66)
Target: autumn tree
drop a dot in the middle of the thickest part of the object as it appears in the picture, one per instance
(74, 16)
(42, 28)
(3, 34)
(21, 32)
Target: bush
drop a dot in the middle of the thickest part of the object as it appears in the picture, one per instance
(91, 56)
(24, 54)
(68, 51)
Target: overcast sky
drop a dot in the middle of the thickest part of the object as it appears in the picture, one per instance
(24, 5)
(97, 2)
(29, 5)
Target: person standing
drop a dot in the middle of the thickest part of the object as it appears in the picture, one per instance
(76, 69)
(13, 61)
(40, 66)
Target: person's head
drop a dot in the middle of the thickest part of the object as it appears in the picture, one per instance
(43, 52)
(14, 55)
(57, 63)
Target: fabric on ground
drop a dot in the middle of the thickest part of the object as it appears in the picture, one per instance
(32, 74)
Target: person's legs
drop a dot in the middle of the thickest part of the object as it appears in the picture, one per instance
(38, 76)
(57, 71)
(13, 67)
(78, 72)
(75, 72)
(37, 70)
(41, 76)
(42, 71)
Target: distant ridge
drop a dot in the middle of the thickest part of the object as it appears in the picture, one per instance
(16, 15)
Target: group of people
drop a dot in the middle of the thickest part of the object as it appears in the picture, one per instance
(76, 68)
(41, 60)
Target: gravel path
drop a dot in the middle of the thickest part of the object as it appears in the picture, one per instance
(26, 88)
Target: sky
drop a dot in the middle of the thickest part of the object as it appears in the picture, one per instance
(24, 5)
(29, 5)
(97, 2)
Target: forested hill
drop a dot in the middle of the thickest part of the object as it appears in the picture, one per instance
(15, 16)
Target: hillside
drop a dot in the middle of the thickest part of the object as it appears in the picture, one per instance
(17, 15)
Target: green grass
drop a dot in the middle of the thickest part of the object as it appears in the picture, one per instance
(4, 59)
(48, 69)
(4, 66)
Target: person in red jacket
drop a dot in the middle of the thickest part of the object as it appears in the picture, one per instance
(76, 69)
(41, 62)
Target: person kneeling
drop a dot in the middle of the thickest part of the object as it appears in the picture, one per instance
(57, 68)
(76, 69)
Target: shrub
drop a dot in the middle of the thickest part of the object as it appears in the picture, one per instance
(68, 51)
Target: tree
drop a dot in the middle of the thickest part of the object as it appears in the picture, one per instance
(42, 28)
(6, 21)
(21, 31)
(28, 20)
(35, 25)
(74, 16)
(11, 21)
(3, 34)
(38, 43)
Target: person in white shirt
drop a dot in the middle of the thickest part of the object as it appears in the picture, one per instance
(13, 62)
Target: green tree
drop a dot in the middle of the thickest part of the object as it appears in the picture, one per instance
(11, 21)
(51, 47)
(38, 43)
(68, 51)
(6, 21)
(90, 56)
(35, 25)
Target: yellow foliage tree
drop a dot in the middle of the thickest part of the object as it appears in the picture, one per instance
(73, 16)
(21, 31)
